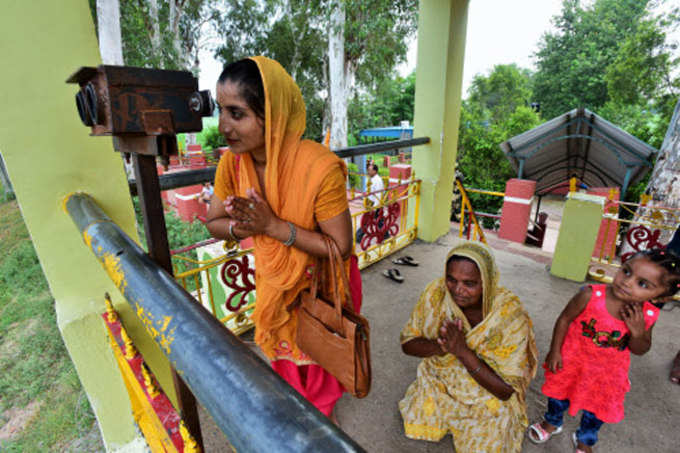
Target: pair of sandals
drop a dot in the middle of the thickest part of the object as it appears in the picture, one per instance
(539, 435)
(394, 274)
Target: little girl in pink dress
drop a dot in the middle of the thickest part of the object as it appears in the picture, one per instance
(587, 366)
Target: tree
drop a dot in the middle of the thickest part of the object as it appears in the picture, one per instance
(572, 62)
(644, 71)
(295, 38)
(495, 110)
(160, 34)
(296, 33)
(108, 24)
(374, 34)
(664, 183)
(339, 74)
(499, 94)
(387, 105)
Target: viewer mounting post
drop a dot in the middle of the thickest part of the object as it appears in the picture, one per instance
(144, 109)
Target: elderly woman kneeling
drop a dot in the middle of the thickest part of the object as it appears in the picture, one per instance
(479, 356)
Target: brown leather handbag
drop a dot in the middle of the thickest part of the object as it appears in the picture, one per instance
(331, 333)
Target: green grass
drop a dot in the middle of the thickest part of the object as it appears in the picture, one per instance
(35, 364)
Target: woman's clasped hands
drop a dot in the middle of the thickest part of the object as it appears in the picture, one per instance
(250, 216)
(452, 337)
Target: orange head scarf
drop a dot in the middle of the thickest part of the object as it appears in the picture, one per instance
(294, 173)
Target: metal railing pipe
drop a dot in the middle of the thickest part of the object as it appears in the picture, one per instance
(360, 150)
(185, 178)
(256, 409)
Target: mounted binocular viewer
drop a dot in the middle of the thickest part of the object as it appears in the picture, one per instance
(133, 104)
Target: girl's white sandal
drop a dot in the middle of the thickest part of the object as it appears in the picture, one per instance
(574, 440)
(541, 435)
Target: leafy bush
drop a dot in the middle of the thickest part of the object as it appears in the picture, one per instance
(354, 179)
(211, 138)
(6, 196)
(180, 233)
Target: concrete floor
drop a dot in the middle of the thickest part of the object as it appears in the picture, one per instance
(652, 406)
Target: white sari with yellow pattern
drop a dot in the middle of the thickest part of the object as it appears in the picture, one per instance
(444, 397)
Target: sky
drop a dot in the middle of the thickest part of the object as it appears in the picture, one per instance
(504, 32)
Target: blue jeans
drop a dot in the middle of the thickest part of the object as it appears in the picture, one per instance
(590, 425)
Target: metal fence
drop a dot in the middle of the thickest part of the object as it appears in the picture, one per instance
(380, 220)
(223, 280)
(620, 238)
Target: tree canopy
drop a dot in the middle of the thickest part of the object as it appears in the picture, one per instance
(613, 50)
(295, 33)
(162, 34)
(497, 108)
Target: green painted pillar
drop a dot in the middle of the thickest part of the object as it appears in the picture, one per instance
(439, 78)
(581, 220)
(49, 154)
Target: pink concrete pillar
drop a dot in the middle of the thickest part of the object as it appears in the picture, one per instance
(197, 161)
(187, 205)
(516, 209)
(606, 236)
(400, 171)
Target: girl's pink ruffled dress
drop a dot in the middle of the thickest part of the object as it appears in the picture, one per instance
(595, 360)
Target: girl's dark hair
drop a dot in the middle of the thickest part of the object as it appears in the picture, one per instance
(669, 261)
(246, 75)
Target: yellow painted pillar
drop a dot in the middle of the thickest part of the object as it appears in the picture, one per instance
(49, 153)
(576, 240)
(442, 26)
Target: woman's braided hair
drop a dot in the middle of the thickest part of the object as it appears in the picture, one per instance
(669, 261)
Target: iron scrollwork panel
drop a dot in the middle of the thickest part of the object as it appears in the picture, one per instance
(379, 224)
(237, 275)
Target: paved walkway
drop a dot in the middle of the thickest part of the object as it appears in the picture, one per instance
(652, 407)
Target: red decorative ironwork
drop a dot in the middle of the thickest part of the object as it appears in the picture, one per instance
(240, 277)
(159, 404)
(379, 224)
(641, 238)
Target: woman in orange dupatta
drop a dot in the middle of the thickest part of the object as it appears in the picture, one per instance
(283, 191)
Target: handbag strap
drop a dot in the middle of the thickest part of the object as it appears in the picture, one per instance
(334, 263)
(337, 257)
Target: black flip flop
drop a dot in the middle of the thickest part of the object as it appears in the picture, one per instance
(394, 274)
(406, 260)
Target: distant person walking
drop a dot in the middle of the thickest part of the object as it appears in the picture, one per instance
(207, 193)
(376, 185)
